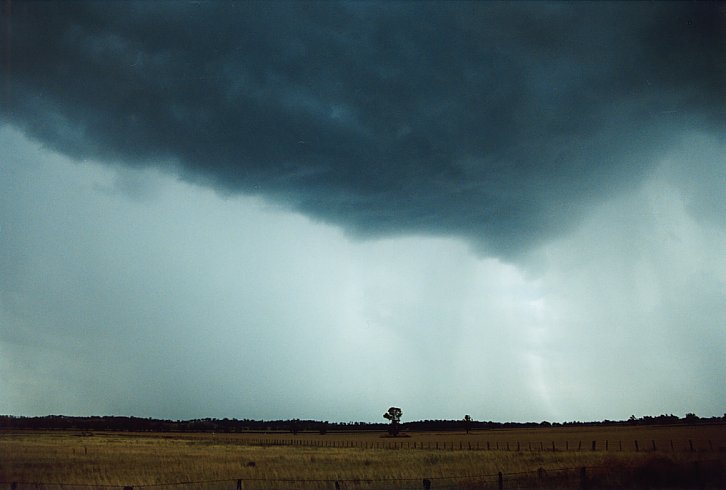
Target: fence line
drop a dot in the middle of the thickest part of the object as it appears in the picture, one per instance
(669, 445)
(583, 475)
(336, 481)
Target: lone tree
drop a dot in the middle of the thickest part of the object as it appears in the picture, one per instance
(394, 415)
(467, 423)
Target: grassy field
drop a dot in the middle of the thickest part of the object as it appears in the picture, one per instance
(317, 461)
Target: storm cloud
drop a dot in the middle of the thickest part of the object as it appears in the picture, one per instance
(500, 123)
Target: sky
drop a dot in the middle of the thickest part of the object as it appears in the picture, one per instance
(515, 211)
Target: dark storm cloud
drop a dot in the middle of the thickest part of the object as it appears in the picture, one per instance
(501, 123)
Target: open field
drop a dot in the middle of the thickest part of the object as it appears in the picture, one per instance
(366, 460)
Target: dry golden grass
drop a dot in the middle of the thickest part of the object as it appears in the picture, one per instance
(152, 459)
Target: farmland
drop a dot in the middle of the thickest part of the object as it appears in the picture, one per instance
(687, 455)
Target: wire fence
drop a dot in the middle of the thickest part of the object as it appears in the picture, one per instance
(705, 474)
(637, 445)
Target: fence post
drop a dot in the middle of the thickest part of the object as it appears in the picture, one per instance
(128, 488)
(337, 486)
(501, 481)
(697, 482)
(579, 445)
(239, 485)
(690, 444)
(653, 441)
(607, 443)
(14, 485)
(583, 478)
(636, 445)
(593, 445)
(426, 484)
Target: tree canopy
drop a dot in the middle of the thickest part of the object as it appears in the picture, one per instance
(394, 415)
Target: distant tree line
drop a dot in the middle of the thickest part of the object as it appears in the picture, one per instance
(139, 424)
(469, 424)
